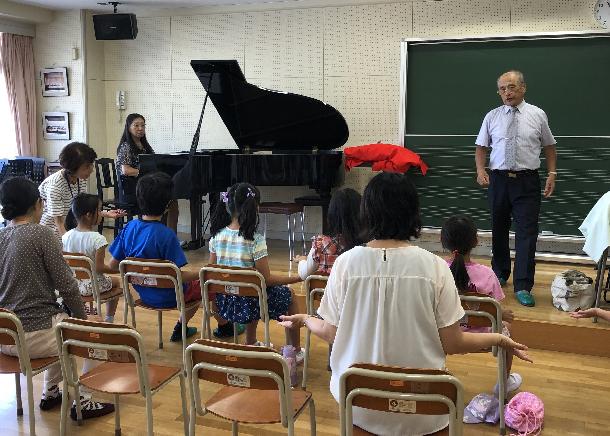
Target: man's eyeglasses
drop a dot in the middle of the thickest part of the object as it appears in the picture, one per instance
(505, 89)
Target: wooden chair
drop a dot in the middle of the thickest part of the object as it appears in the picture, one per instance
(124, 370)
(400, 390)
(84, 269)
(245, 282)
(314, 289)
(11, 333)
(487, 312)
(154, 273)
(256, 385)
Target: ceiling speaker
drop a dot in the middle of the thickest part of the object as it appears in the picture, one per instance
(115, 26)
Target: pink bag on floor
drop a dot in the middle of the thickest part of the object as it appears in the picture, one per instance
(525, 413)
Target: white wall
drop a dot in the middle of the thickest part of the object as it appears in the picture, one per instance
(347, 56)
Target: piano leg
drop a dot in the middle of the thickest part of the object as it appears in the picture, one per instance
(197, 240)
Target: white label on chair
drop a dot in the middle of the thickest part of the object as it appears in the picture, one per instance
(230, 289)
(94, 353)
(243, 381)
(401, 406)
(149, 281)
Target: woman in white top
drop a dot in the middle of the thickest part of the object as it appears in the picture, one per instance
(58, 190)
(389, 302)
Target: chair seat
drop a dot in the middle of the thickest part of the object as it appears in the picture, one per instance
(312, 200)
(190, 305)
(280, 208)
(10, 364)
(104, 296)
(253, 406)
(360, 432)
(122, 378)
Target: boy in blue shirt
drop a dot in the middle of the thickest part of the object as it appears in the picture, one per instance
(149, 238)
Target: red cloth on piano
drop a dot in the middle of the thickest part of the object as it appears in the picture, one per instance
(385, 157)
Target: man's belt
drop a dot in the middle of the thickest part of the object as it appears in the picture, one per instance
(517, 173)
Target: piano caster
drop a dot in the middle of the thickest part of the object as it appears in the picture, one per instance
(192, 245)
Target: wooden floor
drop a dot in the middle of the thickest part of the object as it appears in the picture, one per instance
(573, 387)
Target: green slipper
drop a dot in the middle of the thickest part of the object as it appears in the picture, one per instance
(502, 281)
(525, 298)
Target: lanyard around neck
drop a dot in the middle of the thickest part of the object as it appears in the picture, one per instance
(70, 186)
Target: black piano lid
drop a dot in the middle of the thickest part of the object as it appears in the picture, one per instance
(264, 119)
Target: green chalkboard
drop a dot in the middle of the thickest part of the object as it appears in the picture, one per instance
(452, 85)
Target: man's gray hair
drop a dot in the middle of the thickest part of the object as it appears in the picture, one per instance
(519, 74)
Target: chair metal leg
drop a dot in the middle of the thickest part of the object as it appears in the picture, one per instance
(79, 412)
(149, 415)
(117, 415)
(18, 394)
(183, 399)
(502, 386)
(290, 425)
(234, 428)
(63, 417)
(160, 325)
(193, 412)
(31, 404)
(312, 417)
(306, 359)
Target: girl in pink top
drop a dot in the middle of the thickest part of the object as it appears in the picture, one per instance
(459, 235)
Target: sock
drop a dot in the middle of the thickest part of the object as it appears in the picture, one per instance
(109, 318)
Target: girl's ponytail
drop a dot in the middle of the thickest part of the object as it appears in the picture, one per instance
(220, 217)
(459, 235)
(70, 221)
(248, 217)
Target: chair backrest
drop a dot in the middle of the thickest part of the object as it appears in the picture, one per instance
(100, 341)
(400, 390)
(81, 265)
(245, 282)
(482, 311)
(21, 168)
(153, 273)
(106, 178)
(10, 326)
(38, 168)
(314, 290)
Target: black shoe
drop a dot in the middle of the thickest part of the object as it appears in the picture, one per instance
(91, 409)
(226, 330)
(49, 403)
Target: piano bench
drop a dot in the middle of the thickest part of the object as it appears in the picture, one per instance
(320, 201)
(291, 211)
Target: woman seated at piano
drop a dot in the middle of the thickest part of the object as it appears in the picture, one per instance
(133, 143)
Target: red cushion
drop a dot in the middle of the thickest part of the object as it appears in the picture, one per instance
(385, 157)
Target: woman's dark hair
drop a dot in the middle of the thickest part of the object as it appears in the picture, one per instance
(390, 208)
(344, 217)
(82, 204)
(459, 235)
(154, 192)
(17, 196)
(126, 137)
(76, 154)
(242, 200)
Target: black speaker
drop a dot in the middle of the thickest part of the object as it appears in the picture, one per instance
(115, 26)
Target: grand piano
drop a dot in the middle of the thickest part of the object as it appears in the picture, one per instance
(284, 139)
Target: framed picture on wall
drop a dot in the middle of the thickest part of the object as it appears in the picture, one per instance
(54, 82)
(55, 125)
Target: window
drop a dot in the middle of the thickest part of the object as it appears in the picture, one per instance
(8, 143)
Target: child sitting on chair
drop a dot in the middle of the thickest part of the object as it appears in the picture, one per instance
(148, 238)
(85, 215)
(459, 235)
(235, 242)
(343, 234)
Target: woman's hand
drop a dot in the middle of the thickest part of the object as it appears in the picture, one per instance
(114, 213)
(293, 321)
(518, 349)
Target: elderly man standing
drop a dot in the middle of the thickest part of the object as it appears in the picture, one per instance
(516, 132)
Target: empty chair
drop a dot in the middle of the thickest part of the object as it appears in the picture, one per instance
(85, 270)
(400, 390)
(106, 178)
(125, 369)
(11, 333)
(154, 273)
(256, 385)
